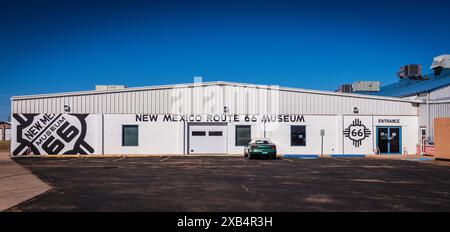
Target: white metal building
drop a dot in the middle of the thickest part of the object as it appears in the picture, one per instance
(5, 131)
(213, 118)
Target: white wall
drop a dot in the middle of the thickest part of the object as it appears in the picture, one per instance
(154, 137)
(170, 137)
(279, 133)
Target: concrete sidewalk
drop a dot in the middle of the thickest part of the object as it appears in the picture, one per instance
(17, 184)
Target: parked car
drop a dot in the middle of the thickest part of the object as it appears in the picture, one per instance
(260, 148)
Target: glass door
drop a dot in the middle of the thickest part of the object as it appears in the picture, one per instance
(389, 140)
(394, 140)
(383, 140)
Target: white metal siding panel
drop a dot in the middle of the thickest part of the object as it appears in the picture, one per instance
(40, 105)
(31, 106)
(25, 106)
(196, 102)
(206, 98)
(86, 104)
(240, 101)
(15, 106)
(211, 100)
(78, 102)
(231, 99)
(304, 103)
(163, 102)
(132, 102)
(185, 100)
(52, 102)
(20, 108)
(128, 103)
(438, 111)
(155, 103)
(146, 108)
(439, 94)
(104, 102)
(142, 99)
(325, 102)
(176, 98)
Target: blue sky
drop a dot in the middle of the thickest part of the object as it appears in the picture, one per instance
(58, 46)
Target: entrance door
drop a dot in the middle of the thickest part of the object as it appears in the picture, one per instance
(207, 139)
(389, 140)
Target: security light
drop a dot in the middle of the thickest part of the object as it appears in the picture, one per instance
(66, 108)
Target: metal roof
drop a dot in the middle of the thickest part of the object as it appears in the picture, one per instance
(407, 87)
(219, 83)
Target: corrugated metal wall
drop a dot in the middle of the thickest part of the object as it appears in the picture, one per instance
(211, 100)
(440, 94)
(437, 110)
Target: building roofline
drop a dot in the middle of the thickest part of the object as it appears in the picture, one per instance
(202, 84)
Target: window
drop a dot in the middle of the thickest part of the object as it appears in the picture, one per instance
(215, 133)
(243, 135)
(198, 133)
(130, 135)
(298, 135)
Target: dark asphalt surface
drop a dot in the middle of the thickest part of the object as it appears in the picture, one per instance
(238, 184)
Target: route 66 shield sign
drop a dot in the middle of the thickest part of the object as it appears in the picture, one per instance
(357, 132)
(42, 134)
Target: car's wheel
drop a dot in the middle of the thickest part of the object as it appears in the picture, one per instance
(250, 156)
(273, 157)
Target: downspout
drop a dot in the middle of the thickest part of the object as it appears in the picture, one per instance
(342, 135)
(428, 116)
(103, 134)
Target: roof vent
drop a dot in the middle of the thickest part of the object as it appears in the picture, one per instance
(109, 87)
(439, 63)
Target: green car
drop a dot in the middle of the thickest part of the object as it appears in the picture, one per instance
(260, 148)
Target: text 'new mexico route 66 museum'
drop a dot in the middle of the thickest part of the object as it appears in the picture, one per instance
(212, 118)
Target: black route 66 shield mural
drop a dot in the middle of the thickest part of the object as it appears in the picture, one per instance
(41, 134)
(357, 132)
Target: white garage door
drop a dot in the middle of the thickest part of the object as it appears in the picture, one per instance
(207, 139)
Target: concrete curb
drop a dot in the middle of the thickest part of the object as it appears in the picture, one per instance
(301, 156)
(120, 156)
(348, 156)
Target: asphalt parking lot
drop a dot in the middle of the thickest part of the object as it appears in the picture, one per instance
(238, 184)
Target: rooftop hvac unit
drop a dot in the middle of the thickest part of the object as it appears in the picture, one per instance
(366, 86)
(345, 88)
(412, 71)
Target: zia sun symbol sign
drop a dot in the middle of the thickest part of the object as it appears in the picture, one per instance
(357, 132)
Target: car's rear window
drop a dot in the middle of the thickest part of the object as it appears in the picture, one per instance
(262, 142)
